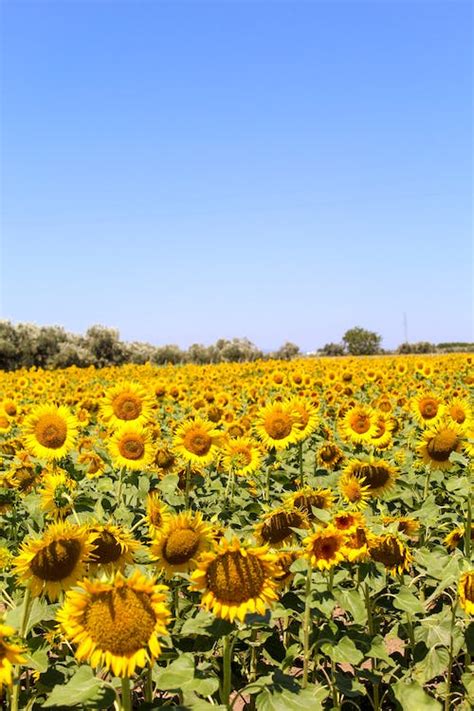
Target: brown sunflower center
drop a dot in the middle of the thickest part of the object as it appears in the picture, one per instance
(132, 447)
(324, 548)
(107, 548)
(457, 413)
(181, 546)
(279, 525)
(278, 426)
(198, 442)
(344, 521)
(241, 458)
(469, 587)
(360, 423)
(375, 476)
(57, 560)
(127, 406)
(388, 552)
(164, 459)
(236, 578)
(120, 621)
(51, 431)
(328, 453)
(442, 444)
(428, 408)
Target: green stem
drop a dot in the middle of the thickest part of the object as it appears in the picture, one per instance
(335, 696)
(300, 452)
(371, 626)
(267, 485)
(468, 526)
(187, 486)
(307, 626)
(176, 602)
(25, 614)
(148, 692)
(427, 483)
(447, 704)
(227, 670)
(253, 666)
(126, 694)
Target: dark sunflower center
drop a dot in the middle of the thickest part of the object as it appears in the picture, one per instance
(57, 560)
(181, 546)
(375, 476)
(198, 443)
(278, 426)
(387, 552)
(440, 447)
(235, 578)
(279, 526)
(132, 448)
(107, 549)
(51, 431)
(126, 406)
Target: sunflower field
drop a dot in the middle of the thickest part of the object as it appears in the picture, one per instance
(270, 535)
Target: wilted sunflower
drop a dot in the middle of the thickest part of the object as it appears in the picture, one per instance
(54, 562)
(113, 547)
(276, 526)
(376, 474)
(329, 456)
(50, 432)
(466, 591)
(236, 579)
(165, 460)
(197, 441)
(391, 551)
(359, 424)
(127, 402)
(277, 425)
(439, 442)
(57, 493)
(180, 542)
(116, 623)
(325, 547)
(10, 655)
(308, 498)
(157, 513)
(241, 455)
(131, 447)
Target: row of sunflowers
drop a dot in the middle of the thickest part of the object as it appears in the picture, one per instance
(264, 536)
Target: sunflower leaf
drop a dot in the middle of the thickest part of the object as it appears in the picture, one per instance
(84, 690)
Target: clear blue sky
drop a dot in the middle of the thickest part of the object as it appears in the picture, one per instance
(186, 171)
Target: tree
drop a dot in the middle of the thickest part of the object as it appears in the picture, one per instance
(331, 349)
(287, 351)
(359, 341)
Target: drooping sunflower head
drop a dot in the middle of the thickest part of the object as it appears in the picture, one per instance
(456, 537)
(10, 655)
(307, 498)
(325, 547)
(376, 474)
(165, 460)
(439, 442)
(50, 432)
(276, 526)
(131, 447)
(404, 524)
(277, 425)
(236, 579)
(329, 456)
(286, 558)
(127, 402)
(54, 562)
(180, 542)
(113, 547)
(389, 550)
(197, 441)
(157, 513)
(116, 623)
(466, 591)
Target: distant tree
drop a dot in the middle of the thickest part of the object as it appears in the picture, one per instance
(287, 351)
(419, 347)
(359, 341)
(105, 346)
(168, 354)
(332, 349)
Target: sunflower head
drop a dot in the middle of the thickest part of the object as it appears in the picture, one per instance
(113, 547)
(325, 547)
(376, 474)
(439, 442)
(307, 498)
(275, 529)
(277, 425)
(131, 447)
(180, 542)
(329, 456)
(50, 432)
(197, 441)
(10, 655)
(389, 550)
(466, 591)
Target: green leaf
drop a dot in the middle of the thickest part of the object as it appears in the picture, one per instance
(168, 484)
(287, 700)
(352, 601)
(412, 697)
(40, 611)
(344, 651)
(181, 675)
(434, 664)
(408, 602)
(83, 689)
(378, 651)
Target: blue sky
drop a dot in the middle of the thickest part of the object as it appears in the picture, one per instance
(186, 171)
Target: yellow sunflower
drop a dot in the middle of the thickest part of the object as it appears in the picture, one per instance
(460, 410)
(277, 425)
(50, 432)
(197, 441)
(113, 547)
(391, 551)
(286, 558)
(356, 545)
(116, 623)
(241, 455)
(427, 409)
(54, 562)
(325, 547)
(439, 442)
(308, 498)
(376, 474)
(180, 542)
(127, 402)
(466, 591)
(57, 492)
(131, 447)
(329, 456)
(276, 526)
(405, 524)
(456, 536)
(306, 417)
(236, 579)
(359, 424)
(157, 513)
(347, 521)
(10, 655)
(354, 491)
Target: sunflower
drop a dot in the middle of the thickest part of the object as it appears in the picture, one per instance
(466, 591)
(325, 547)
(127, 402)
(131, 447)
(113, 547)
(197, 441)
(329, 456)
(277, 425)
(286, 558)
(165, 460)
(10, 655)
(460, 410)
(347, 521)
(241, 455)
(180, 542)
(382, 436)
(354, 491)
(55, 561)
(377, 474)
(391, 551)
(456, 536)
(57, 493)
(356, 547)
(50, 432)
(308, 498)
(116, 623)
(236, 579)
(276, 526)
(427, 409)
(93, 464)
(439, 442)
(359, 424)
(306, 417)
(404, 524)
(157, 513)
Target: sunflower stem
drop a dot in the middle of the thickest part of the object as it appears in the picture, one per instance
(25, 614)
(371, 626)
(148, 691)
(253, 666)
(187, 486)
(427, 483)
(447, 700)
(307, 626)
(468, 526)
(126, 694)
(300, 457)
(227, 670)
